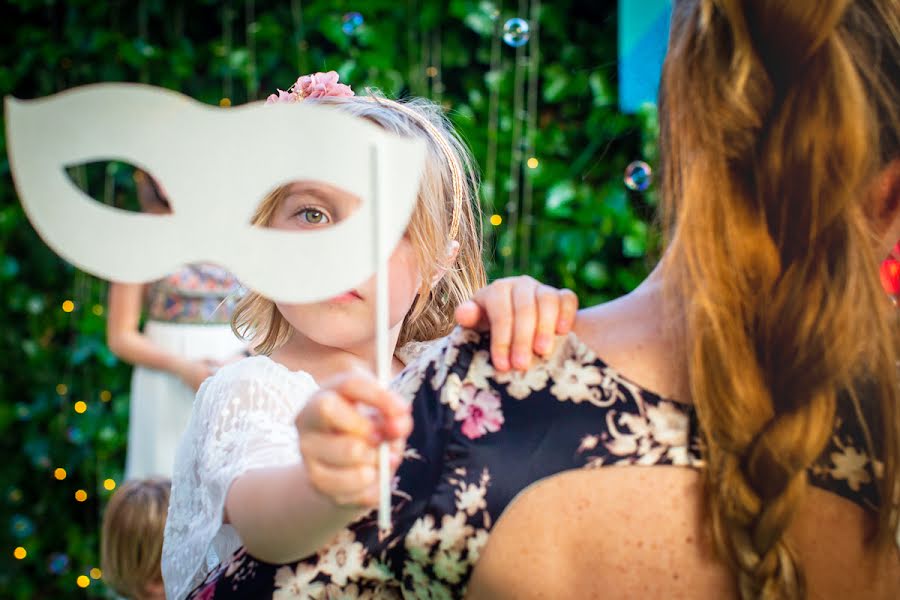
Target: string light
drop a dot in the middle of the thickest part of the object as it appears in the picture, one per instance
(83, 581)
(96, 573)
(110, 485)
(81, 495)
(80, 407)
(225, 102)
(105, 395)
(61, 389)
(60, 473)
(97, 310)
(20, 553)
(533, 163)
(496, 220)
(68, 306)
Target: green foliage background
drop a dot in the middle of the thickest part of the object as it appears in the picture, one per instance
(587, 231)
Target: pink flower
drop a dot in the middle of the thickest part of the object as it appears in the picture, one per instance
(479, 411)
(319, 85)
(283, 97)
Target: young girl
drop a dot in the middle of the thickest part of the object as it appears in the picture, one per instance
(132, 537)
(238, 476)
(185, 339)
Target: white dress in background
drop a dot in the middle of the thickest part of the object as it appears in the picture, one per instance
(189, 315)
(243, 419)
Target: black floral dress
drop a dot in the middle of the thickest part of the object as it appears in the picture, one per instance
(480, 438)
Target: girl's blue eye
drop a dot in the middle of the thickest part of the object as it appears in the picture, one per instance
(313, 216)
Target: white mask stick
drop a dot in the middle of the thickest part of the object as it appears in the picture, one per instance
(383, 353)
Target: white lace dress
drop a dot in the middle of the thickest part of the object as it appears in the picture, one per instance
(243, 419)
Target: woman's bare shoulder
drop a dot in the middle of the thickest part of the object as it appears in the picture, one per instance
(629, 532)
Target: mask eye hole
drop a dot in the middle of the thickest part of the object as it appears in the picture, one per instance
(120, 185)
(305, 205)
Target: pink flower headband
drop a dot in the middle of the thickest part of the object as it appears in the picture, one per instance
(325, 85)
(317, 85)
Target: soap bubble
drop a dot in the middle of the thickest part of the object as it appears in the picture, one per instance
(352, 22)
(516, 32)
(638, 176)
(58, 563)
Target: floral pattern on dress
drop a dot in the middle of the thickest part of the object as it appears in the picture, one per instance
(480, 438)
(196, 294)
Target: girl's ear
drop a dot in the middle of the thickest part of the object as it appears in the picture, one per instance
(449, 259)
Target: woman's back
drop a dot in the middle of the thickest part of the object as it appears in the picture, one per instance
(643, 531)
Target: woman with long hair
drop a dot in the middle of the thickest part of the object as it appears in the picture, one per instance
(747, 391)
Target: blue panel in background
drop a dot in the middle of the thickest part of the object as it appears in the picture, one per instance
(643, 38)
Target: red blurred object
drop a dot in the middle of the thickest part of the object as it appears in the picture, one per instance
(890, 275)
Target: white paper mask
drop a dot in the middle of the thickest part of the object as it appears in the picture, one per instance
(216, 165)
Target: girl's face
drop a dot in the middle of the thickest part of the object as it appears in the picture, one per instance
(347, 320)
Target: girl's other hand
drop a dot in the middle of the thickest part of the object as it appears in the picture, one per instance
(340, 429)
(523, 315)
(195, 372)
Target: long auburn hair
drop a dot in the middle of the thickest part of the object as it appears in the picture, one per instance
(775, 116)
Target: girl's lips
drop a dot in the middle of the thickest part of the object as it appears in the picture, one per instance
(350, 296)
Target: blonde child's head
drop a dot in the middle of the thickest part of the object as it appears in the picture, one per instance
(445, 219)
(132, 537)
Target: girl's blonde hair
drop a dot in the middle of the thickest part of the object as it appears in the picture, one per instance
(132, 535)
(775, 117)
(446, 211)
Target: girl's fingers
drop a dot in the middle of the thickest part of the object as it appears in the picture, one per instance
(344, 485)
(497, 303)
(469, 314)
(361, 387)
(329, 411)
(568, 308)
(337, 451)
(525, 314)
(548, 308)
(356, 404)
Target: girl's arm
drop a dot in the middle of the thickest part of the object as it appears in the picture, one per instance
(125, 340)
(286, 513)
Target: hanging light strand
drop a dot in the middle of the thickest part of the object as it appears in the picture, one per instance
(490, 180)
(252, 80)
(534, 57)
(515, 163)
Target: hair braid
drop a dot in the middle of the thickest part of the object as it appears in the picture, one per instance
(767, 129)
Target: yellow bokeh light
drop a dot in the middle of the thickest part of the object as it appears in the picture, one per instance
(81, 495)
(505, 251)
(105, 395)
(225, 102)
(533, 163)
(496, 220)
(68, 306)
(97, 310)
(110, 485)
(96, 573)
(431, 71)
(62, 389)
(83, 581)
(20, 553)
(80, 407)
(60, 473)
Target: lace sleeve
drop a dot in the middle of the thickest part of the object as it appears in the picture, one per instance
(243, 418)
